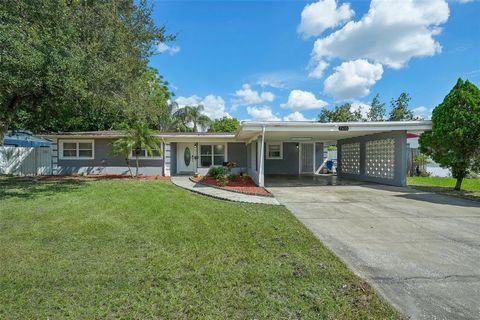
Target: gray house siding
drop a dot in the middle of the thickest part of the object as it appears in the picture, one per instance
(399, 158)
(237, 152)
(173, 157)
(288, 165)
(105, 162)
(318, 155)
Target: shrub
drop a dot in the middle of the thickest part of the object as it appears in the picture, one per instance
(218, 171)
(222, 180)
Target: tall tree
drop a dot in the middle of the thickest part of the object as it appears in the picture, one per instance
(138, 137)
(149, 101)
(377, 109)
(454, 141)
(341, 113)
(225, 124)
(400, 111)
(71, 64)
(191, 115)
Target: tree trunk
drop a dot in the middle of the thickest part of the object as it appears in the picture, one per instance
(128, 165)
(458, 184)
(136, 161)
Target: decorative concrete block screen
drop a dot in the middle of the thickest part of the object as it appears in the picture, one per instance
(351, 158)
(380, 158)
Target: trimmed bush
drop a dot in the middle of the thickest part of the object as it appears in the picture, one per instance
(218, 171)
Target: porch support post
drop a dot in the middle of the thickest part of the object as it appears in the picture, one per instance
(261, 180)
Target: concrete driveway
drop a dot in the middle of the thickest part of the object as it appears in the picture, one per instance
(421, 251)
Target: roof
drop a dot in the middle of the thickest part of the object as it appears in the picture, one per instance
(120, 133)
(249, 129)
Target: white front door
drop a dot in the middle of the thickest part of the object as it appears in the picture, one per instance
(186, 162)
(307, 157)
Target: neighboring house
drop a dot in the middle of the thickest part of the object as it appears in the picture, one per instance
(432, 167)
(367, 151)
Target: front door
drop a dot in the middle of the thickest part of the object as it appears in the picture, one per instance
(186, 162)
(307, 157)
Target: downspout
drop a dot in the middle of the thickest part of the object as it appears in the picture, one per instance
(261, 180)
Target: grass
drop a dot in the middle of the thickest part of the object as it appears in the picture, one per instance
(146, 249)
(470, 187)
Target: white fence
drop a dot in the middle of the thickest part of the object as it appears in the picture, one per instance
(25, 161)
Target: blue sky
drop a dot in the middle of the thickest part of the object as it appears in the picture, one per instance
(273, 60)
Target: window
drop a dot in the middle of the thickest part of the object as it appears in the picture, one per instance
(76, 149)
(275, 150)
(143, 154)
(212, 155)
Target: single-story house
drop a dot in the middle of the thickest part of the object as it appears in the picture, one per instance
(366, 151)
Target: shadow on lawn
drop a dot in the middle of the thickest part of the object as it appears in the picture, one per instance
(437, 195)
(28, 188)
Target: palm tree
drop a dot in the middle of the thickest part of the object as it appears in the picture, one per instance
(123, 147)
(194, 114)
(190, 114)
(139, 137)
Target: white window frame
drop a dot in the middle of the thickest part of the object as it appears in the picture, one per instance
(77, 141)
(212, 145)
(146, 157)
(268, 151)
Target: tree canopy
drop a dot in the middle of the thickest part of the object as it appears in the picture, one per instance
(454, 141)
(400, 111)
(73, 65)
(225, 124)
(341, 113)
(377, 109)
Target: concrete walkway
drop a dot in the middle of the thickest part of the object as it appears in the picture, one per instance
(420, 250)
(185, 183)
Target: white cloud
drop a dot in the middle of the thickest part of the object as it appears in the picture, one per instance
(162, 47)
(188, 101)
(390, 33)
(303, 100)
(318, 70)
(353, 79)
(264, 113)
(322, 15)
(422, 112)
(362, 107)
(247, 96)
(214, 106)
(296, 116)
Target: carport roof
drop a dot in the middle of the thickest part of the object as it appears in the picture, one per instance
(310, 130)
(280, 130)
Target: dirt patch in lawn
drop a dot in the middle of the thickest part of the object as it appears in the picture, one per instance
(238, 184)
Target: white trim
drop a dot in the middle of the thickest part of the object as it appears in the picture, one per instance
(280, 143)
(261, 177)
(77, 141)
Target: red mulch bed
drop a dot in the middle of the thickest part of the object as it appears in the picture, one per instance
(240, 185)
(104, 177)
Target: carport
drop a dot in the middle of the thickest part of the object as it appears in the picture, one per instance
(366, 151)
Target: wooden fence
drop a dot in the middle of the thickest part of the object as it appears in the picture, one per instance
(25, 161)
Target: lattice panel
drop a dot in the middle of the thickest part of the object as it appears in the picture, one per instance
(380, 158)
(351, 158)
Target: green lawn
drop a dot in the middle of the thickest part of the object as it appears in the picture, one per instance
(146, 249)
(470, 187)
